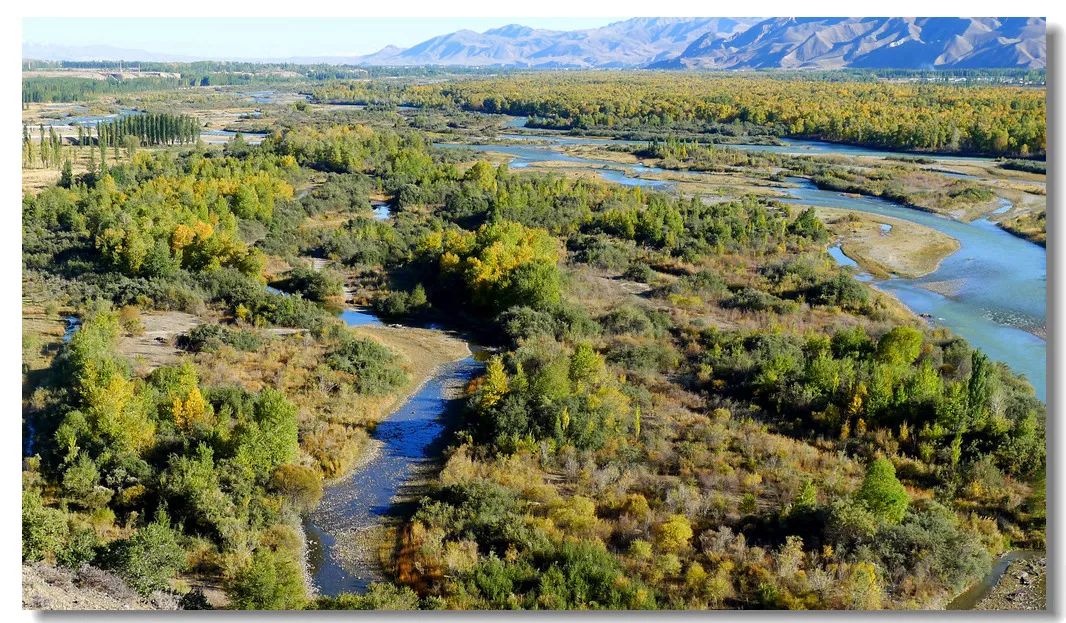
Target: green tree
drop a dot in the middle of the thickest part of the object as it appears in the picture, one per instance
(66, 178)
(901, 345)
(269, 438)
(979, 388)
(268, 581)
(882, 493)
(44, 529)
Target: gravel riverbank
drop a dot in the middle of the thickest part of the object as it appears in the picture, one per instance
(1022, 587)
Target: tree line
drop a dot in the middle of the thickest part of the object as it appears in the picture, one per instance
(150, 129)
(997, 120)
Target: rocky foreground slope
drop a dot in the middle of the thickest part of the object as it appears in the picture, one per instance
(45, 587)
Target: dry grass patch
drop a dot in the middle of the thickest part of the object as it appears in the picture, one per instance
(335, 420)
(152, 344)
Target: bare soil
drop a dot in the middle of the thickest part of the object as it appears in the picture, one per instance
(156, 346)
(45, 587)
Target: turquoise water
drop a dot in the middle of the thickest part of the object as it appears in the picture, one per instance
(92, 120)
(992, 291)
(840, 258)
(995, 285)
(790, 146)
(822, 148)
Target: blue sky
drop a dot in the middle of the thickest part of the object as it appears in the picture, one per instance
(268, 37)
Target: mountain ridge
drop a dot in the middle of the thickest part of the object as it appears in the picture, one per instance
(628, 43)
(872, 43)
(709, 43)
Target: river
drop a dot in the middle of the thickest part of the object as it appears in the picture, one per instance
(524, 155)
(90, 120)
(968, 599)
(341, 547)
(790, 146)
(992, 291)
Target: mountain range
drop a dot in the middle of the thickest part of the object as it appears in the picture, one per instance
(630, 43)
(872, 42)
(699, 43)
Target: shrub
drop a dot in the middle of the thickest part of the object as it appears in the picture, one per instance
(606, 253)
(379, 596)
(374, 367)
(401, 303)
(81, 548)
(520, 323)
(750, 299)
(149, 558)
(673, 534)
(44, 529)
(1029, 166)
(210, 337)
(639, 271)
(302, 485)
(629, 319)
(842, 290)
(808, 225)
(313, 285)
(268, 581)
(645, 357)
(931, 538)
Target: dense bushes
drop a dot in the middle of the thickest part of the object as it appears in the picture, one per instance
(211, 337)
(148, 559)
(501, 265)
(125, 449)
(314, 285)
(1029, 166)
(551, 393)
(542, 575)
(401, 303)
(373, 367)
(268, 581)
(905, 385)
(249, 301)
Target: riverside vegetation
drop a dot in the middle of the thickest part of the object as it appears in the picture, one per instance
(689, 405)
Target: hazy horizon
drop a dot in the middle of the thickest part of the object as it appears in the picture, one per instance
(234, 38)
